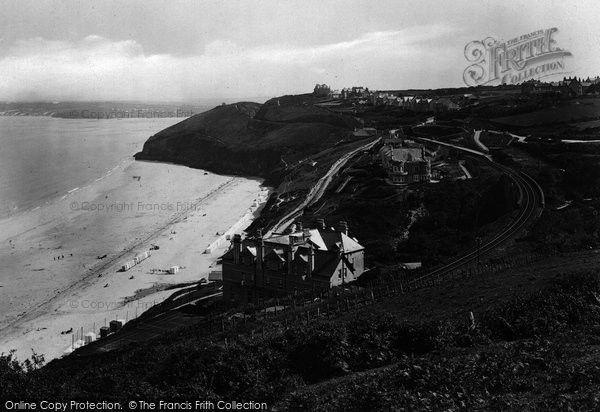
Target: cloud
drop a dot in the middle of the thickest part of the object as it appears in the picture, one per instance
(99, 68)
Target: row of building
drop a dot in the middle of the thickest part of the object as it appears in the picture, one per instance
(415, 103)
(363, 96)
(567, 87)
(259, 268)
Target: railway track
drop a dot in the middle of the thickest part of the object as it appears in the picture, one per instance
(319, 189)
(531, 198)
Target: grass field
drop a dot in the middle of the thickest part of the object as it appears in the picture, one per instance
(592, 124)
(569, 111)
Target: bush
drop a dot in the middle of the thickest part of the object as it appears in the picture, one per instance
(321, 355)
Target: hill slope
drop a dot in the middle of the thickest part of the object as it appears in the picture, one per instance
(249, 139)
(534, 347)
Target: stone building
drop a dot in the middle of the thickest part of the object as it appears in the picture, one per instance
(281, 265)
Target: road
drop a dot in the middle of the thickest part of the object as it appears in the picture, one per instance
(464, 149)
(531, 198)
(318, 189)
(477, 140)
(462, 166)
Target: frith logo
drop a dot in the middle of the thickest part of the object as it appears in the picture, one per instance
(529, 56)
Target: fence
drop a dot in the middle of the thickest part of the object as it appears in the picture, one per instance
(276, 315)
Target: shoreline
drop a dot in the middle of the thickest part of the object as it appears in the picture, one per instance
(98, 292)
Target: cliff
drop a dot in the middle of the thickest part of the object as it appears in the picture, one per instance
(248, 138)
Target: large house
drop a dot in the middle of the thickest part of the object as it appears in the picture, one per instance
(535, 87)
(570, 87)
(405, 162)
(282, 265)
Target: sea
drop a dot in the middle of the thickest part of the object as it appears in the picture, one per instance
(45, 158)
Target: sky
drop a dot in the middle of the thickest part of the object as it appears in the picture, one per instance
(189, 50)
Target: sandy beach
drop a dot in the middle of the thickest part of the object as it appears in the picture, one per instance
(54, 274)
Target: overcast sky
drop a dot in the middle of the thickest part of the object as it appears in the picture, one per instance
(185, 50)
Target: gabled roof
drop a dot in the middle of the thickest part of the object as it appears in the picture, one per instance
(276, 254)
(407, 154)
(228, 255)
(249, 250)
(317, 240)
(327, 269)
(302, 257)
(342, 241)
(322, 240)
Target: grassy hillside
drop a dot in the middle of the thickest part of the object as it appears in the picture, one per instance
(565, 111)
(533, 345)
(249, 139)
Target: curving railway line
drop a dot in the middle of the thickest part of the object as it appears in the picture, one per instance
(317, 191)
(531, 199)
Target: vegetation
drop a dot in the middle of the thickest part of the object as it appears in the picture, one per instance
(569, 172)
(530, 350)
(526, 352)
(456, 213)
(250, 139)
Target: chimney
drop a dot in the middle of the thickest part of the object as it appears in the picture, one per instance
(311, 260)
(343, 227)
(321, 224)
(306, 233)
(290, 258)
(298, 226)
(260, 250)
(237, 248)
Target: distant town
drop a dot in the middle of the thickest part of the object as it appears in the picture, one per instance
(433, 101)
